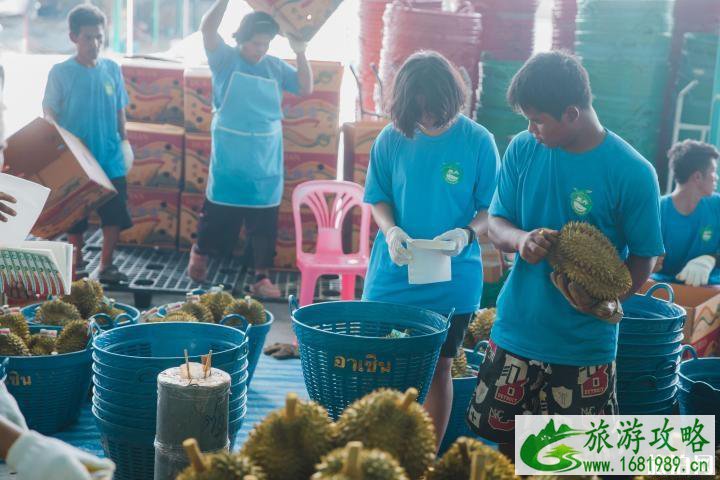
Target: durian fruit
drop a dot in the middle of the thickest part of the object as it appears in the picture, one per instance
(217, 302)
(457, 462)
(178, 316)
(357, 463)
(12, 345)
(86, 295)
(17, 324)
(201, 312)
(251, 309)
(459, 367)
(586, 256)
(290, 442)
(74, 337)
(480, 326)
(219, 466)
(57, 312)
(40, 344)
(393, 422)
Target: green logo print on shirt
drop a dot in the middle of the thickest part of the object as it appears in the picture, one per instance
(452, 174)
(581, 201)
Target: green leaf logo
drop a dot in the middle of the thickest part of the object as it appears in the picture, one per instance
(581, 201)
(452, 173)
(706, 234)
(562, 455)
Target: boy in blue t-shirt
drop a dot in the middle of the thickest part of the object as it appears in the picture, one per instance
(691, 217)
(86, 95)
(553, 347)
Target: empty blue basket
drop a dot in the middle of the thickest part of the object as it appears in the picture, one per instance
(345, 354)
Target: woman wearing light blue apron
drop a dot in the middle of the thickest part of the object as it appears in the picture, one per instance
(246, 168)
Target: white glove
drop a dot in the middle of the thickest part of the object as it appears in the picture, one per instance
(298, 46)
(697, 271)
(128, 154)
(396, 239)
(36, 457)
(9, 408)
(460, 236)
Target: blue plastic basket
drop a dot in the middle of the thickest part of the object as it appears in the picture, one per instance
(132, 450)
(646, 382)
(161, 345)
(647, 396)
(659, 365)
(649, 348)
(50, 389)
(699, 388)
(256, 338)
(463, 389)
(131, 316)
(646, 314)
(345, 355)
(654, 408)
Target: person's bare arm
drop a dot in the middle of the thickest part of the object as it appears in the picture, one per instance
(122, 123)
(5, 210)
(533, 246)
(9, 433)
(384, 216)
(640, 270)
(305, 75)
(210, 24)
(480, 223)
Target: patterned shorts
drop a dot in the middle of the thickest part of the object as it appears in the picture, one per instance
(510, 385)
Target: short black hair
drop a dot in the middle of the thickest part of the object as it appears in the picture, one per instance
(255, 23)
(690, 156)
(550, 83)
(426, 82)
(85, 15)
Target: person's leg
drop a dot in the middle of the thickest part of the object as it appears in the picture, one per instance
(115, 217)
(261, 229)
(75, 237)
(438, 402)
(218, 229)
(508, 385)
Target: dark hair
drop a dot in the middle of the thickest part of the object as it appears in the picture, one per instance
(255, 23)
(85, 15)
(426, 82)
(550, 83)
(691, 156)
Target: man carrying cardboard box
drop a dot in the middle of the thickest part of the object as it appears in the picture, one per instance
(86, 95)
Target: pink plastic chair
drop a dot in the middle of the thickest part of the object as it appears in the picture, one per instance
(329, 257)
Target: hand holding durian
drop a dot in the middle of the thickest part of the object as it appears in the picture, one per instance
(536, 244)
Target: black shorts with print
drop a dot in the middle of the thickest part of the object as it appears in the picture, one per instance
(510, 385)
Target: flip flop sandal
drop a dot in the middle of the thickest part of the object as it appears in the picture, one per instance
(287, 351)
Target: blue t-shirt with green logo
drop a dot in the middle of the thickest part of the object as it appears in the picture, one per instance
(689, 236)
(612, 187)
(86, 101)
(434, 184)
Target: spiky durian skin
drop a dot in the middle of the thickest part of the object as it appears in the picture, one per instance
(201, 312)
(586, 256)
(74, 337)
(179, 317)
(374, 464)
(109, 310)
(459, 367)
(13, 346)
(377, 421)
(41, 345)
(217, 302)
(480, 326)
(287, 449)
(57, 312)
(251, 309)
(224, 466)
(17, 324)
(86, 295)
(456, 462)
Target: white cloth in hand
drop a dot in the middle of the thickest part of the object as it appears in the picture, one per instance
(9, 408)
(128, 154)
(396, 239)
(697, 271)
(460, 236)
(36, 457)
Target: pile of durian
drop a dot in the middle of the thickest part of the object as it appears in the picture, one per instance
(385, 435)
(586, 256)
(70, 312)
(212, 307)
(480, 326)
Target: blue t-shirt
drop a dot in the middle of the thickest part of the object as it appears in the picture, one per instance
(226, 60)
(612, 187)
(434, 184)
(689, 236)
(86, 102)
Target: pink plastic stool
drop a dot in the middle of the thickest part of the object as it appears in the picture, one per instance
(329, 257)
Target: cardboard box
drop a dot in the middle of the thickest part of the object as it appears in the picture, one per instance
(285, 247)
(301, 20)
(156, 91)
(303, 167)
(191, 205)
(702, 327)
(310, 125)
(198, 99)
(159, 151)
(358, 139)
(155, 218)
(327, 76)
(198, 148)
(51, 156)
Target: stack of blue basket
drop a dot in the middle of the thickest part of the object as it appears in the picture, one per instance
(649, 352)
(126, 362)
(699, 388)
